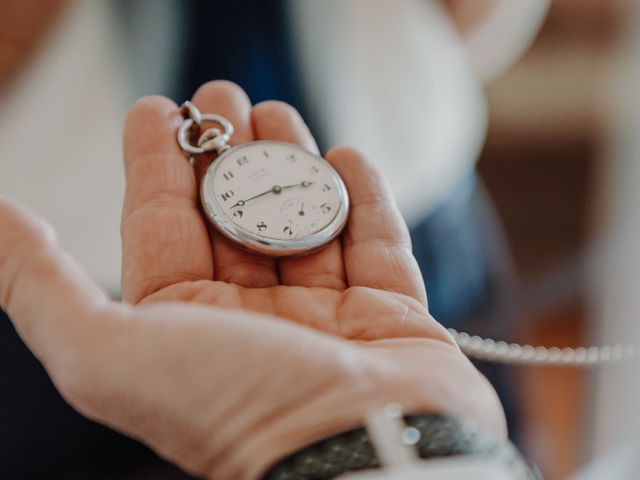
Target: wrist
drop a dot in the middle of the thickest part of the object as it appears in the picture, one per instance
(406, 444)
(338, 406)
(366, 381)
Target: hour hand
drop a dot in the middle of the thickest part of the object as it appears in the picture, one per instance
(303, 184)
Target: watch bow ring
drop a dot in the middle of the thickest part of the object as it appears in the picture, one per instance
(268, 197)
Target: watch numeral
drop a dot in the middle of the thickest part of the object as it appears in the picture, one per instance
(326, 188)
(238, 213)
(261, 226)
(288, 231)
(292, 158)
(228, 175)
(314, 170)
(227, 195)
(241, 161)
(325, 208)
(264, 152)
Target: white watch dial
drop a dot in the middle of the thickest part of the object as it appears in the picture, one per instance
(276, 194)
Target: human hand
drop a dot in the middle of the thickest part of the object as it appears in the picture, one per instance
(200, 368)
(366, 285)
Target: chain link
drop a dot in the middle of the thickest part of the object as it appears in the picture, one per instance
(515, 354)
(189, 131)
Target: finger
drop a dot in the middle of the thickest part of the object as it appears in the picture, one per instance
(231, 263)
(376, 243)
(48, 297)
(278, 121)
(274, 120)
(164, 238)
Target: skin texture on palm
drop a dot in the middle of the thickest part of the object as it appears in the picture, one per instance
(210, 360)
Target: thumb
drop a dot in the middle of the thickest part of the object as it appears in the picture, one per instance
(45, 293)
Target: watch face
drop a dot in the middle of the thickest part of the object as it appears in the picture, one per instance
(275, 198)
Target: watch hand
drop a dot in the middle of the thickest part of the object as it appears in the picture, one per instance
(301, 212)
(276, 189)
(303, 184)
(273, 189)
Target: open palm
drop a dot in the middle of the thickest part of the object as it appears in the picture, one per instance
(365, 285)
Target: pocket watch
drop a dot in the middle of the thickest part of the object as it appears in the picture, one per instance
(268, 197)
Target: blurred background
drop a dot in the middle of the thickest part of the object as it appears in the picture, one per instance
(507, 130)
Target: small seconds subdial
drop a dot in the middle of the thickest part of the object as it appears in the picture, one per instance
(302, 216)
(275, 198)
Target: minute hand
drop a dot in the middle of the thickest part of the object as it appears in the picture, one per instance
(242, 203)
(276, 189)
(271, 190)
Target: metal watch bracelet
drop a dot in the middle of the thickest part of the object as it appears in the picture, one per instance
(439, 436)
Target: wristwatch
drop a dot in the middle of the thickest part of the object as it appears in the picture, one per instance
(434, 436)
